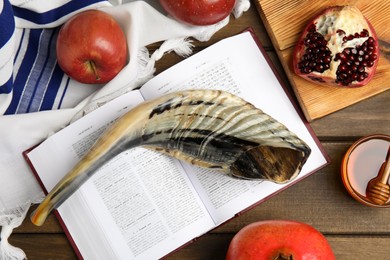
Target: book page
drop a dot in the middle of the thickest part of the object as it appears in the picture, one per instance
(238, 66)
(138, 204)
(65, 148)
(149, 202)
(54, 157)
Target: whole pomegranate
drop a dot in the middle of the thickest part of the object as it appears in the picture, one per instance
(338, 47)
(278, 240)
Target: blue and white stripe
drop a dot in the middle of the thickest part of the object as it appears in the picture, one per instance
(7, 42)
(38, 72)
(30, 78)
(47, 14)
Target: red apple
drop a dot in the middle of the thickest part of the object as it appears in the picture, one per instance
(200, 12)
(91, 47)
(279, 239)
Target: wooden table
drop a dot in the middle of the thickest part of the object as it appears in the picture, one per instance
(353, 230)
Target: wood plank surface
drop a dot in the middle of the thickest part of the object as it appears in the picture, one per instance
(212, 246)
(353, 230)
(285, 20)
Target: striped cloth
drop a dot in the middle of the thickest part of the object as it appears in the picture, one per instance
(39, 83)
(7, 41)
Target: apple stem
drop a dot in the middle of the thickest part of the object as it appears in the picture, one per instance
(92, 65)
(282, 256)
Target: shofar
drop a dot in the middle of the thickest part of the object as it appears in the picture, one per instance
(207, 128)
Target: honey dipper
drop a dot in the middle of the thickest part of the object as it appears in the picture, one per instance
(378, 189)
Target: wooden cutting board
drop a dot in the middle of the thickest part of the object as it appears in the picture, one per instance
(285, 20)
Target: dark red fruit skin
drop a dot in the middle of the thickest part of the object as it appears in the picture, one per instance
(326, 81)
(279, 239)
(91, 35)
(199, 12)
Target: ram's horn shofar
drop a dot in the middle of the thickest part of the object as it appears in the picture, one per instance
(208, 128)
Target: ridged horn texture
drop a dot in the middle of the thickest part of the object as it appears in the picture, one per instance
(207, 128)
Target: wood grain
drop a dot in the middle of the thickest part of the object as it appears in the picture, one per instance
(211, 246)
(349, 247)
(285, 20)
(43, 246)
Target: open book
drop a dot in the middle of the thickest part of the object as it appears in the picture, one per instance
(143, 204)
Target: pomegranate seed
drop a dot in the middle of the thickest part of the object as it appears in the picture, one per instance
(319, 79)
(364, 33)
(360, 77)
(319, 68)
(327, 59)
(317, 54)
(339, 31)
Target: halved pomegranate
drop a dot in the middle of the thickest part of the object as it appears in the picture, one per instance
(338, 47)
